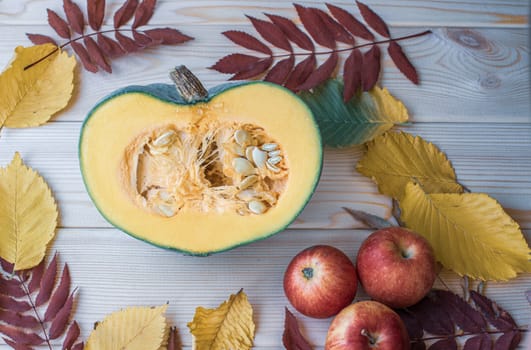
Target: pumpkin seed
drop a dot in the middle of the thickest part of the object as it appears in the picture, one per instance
(272, 167)
(249, 152)
(248, 182)
(166, 210)
(274, 153)
(246, 195)
(256, 207)
(269, 146)
(274, 160)
(242, 137)
(259, 157)
(157, 151)
(242, 166)
(164, 139)
(237, 149)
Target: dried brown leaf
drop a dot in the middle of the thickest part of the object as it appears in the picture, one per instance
(292, 32)
(508, 341)
(373, 20)
(321, 74)
(144, 12)
(270, 32)
(315, 26)
(167, 36)
(10, 303)
(235, 63)
(128, 44)
(59, 296)
(71, 336)
(280, 71)
(96, 54)
(58, 24)
(246, 40)
(39, 39)
(402, 62)
(74, 16)
(19, 336)
(125, 13)
(256, 69)
(371, 68)
(350, 22)
(478, 342)
(47, 282)
(292, 337)
(352, 74)
(96, 13)
(301, 72)
(339, 33)
(109, 47)
(36, 276)
(60, 321)
(444, 344)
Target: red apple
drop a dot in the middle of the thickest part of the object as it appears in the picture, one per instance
(367, 325)
(320, 281)
(396, 266)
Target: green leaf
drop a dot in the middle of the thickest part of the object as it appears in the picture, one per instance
(363, 118)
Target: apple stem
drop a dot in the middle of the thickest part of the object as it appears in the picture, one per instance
(307, 272)
(366, 334)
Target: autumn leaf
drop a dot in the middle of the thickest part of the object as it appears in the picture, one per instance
(230, 326)
(395, 159)
(361, 119)
(133, 328)
(31, 96)
(28, 215)
(470, 232)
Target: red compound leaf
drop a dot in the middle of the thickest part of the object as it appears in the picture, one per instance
(248, 41)
(125, 13)
(373, 20)
(74, 16)
(58, 24)
(96, 13)
(402, 62)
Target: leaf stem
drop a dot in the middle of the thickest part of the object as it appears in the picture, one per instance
(356, 46)
(71, 41)
(28, 294)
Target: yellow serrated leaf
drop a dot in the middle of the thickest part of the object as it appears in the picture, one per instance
(388, 105)
(470, 233)
(133, 328)
(30, 97)
(230, 326)
(28, 215)
(394, 159)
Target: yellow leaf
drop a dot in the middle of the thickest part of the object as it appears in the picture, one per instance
(30, 97)
(133, 328)
(470, 233)
(28, 215)
(230, 326)
(394, 159)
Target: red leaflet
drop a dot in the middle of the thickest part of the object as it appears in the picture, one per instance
(96, 55)
(173, 341)
(494, 314)
(7, 266)
(17, 346)
(58, 24)
(16, 319)
(340, 34)
(74, 16)
(352, 74)
(168, 36)
(444, 344)
(270, 32)
(125, 13)
(11, 287)
(246, 40)
(301, 72)
(78, 346)
(508, 341)
(235, 63)
(292, 32)
(48, 279)
(280, 72)
(61, 320)
(39, 39)
(350, 22)
(142, 39)
(371, 68)
(479, 342)
(292, 337)
(71, 336)
(36, 276)
(21, 337)
(110, 47)
(96, 12)
(316, 27)
(461, 312)
(10, 303)
(59, 296)
(254, 70)
(126, 42)
(373, 20)
(402, 62)
(323, 72)
(144, 12)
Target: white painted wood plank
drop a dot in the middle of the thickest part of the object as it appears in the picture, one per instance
(491, 158)
(113, 271)
(492, 13)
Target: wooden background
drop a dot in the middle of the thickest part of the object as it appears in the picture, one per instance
(474, 103)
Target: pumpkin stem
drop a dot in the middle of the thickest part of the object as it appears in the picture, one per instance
(188, 85)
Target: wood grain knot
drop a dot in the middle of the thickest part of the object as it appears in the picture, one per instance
(468, 38)
(490, 81)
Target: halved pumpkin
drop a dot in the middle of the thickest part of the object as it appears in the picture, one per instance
(203, 176)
